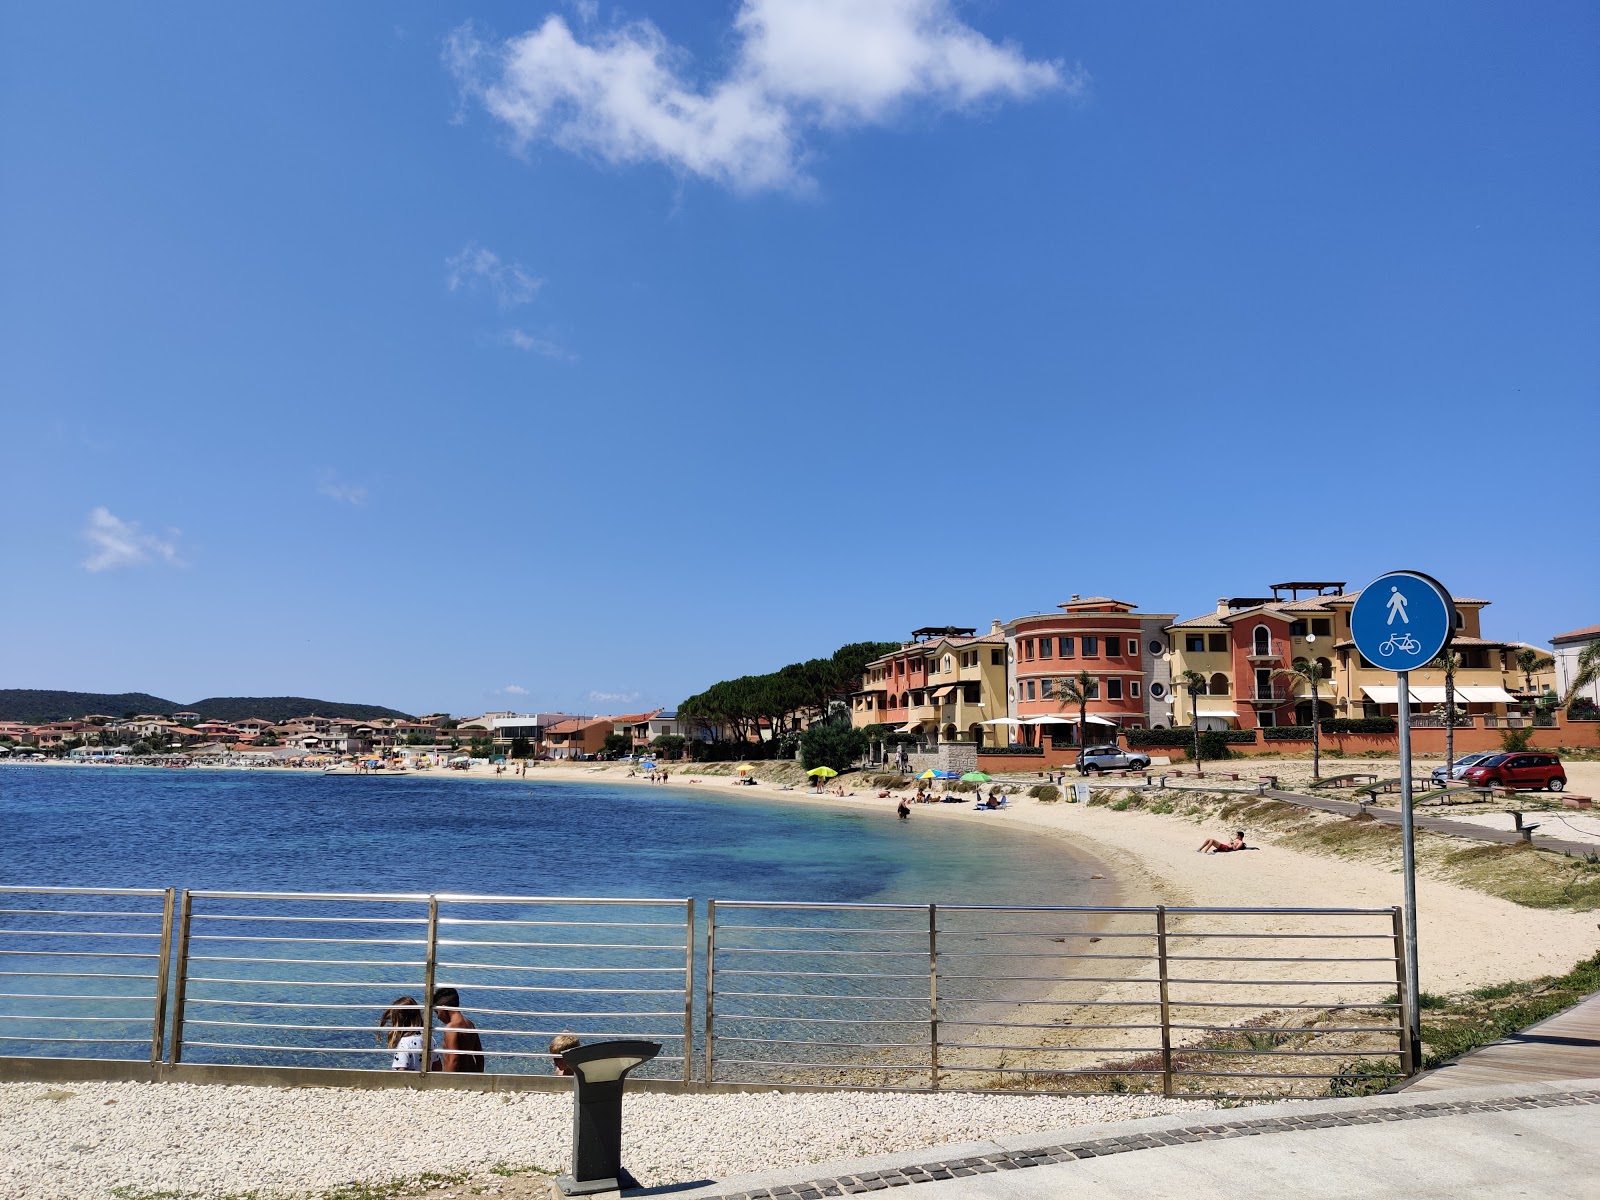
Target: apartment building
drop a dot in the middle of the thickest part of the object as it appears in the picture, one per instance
(944, 685)
(1245, 649)
(580, 737)
(1565, 648)
(1126, 653)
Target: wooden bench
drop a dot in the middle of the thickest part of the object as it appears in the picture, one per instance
(1348, 780)
(1393, 785)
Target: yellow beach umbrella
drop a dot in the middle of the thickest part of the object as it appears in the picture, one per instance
(927, 775)
(825, 772)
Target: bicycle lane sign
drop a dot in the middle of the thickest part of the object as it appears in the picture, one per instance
(1402, 620)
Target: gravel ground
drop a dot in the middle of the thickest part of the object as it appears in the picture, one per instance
(82, 1141)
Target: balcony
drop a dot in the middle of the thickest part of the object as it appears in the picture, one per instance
(1268, 650)
(1268, 695)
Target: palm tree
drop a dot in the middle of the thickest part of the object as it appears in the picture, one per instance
(1449, 660)
(1306, 671)
(1531, 660)
(1585, 673)
(1196, 683)
(1079, 689)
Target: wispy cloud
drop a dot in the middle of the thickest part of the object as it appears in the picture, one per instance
(623, 96)
(335, 488)
(512, 689)
(613, 697)
(115, 543)
(534, 344)
(478, 267)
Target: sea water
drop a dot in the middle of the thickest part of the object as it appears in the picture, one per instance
(287, 831)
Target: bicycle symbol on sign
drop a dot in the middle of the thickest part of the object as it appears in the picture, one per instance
(1402, 642)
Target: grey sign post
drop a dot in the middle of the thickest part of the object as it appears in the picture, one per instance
(1402, 621)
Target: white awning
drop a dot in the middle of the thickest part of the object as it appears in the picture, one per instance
(1486, 695)
(1091, 719)
(1003, 721)
(1383, 694)
(1431, 695)
(1216, 710)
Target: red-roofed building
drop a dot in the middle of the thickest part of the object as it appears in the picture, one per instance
(581, 737)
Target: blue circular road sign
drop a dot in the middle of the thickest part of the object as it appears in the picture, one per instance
(1402, 620)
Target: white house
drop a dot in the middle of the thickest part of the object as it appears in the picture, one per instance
(1565, 648)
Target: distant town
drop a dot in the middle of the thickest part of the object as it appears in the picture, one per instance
(1274, 662)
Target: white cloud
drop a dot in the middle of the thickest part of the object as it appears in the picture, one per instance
(117, 543)
(475, 266)
(346, 493)
(513, 689)
(613, 697)
(624, 95)
(534, 344)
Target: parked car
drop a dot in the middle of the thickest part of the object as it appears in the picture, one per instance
(1462, 763)
(1111, 758)
(1526, 771)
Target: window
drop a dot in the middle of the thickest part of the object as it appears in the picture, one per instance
(947, 662)
(1094, 689)
(916, 698)
(1133, 647)
(1321, 626)
(969, 693)
(1194, 643)
(1066, 647)
(1047, 688)
(1113, 689)
(1030, 689)
(1297, 629)
(1261, 640)
(1156, 648)
(1133, 688)
(1158, 690)
(1218, 643)
(1114, 647)
(1218, 685)
(1091, 645)
(1045, 646)
(1027, 649)
(997, 658)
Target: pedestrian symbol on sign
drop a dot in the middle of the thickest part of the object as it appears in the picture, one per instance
(1397, 606)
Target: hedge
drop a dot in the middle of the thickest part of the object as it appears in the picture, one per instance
(1358, 725)
(1182, 736)
(1583, 709)
(1030, 751)
(1287, 733)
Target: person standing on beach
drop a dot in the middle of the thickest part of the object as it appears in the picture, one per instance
(462, 1049)
(403, 1021)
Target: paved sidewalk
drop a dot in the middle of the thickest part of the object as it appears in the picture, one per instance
(1524, 1140)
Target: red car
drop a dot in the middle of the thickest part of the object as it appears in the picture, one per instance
(1527, 770)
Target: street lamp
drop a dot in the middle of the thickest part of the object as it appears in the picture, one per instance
(599, 1071)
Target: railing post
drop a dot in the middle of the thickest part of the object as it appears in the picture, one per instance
(709, 1012)
(181, 985)
(933, 995)
(428, 973)
(1166, 1001)
(1410, 1057)
(158, 1026)
(688, 991)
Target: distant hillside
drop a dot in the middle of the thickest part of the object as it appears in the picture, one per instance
(33, 706)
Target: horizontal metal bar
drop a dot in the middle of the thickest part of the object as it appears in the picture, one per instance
(1052, 1070)
(921, 930)
(1332, 937)
(311, 920)
(1334, 1005)
(945, 1024)
(72, 975)
(75, 912)
(1311, 1031)
(78, 1041)
(50, 996)
(917, 1045)
(574, 970)
(304, 962)
(944, 954)
(347, 897)
(1248, 958)
(78, 954)
(389, 985)
(848, 953)
(1288, 1053)
(187, 1042)
(366, 1008)
(367, 1031)
(1271, 1075)
(145, 1018)
(81, 891)
(919, 1020)
(1050, 979)
(611, 1015)
(676, 948)
(943, 999)
(1147, 934)
(1290, 982)
(923, 999)
(561, 901)
(823, 1066)
(315, 941)
(823, 974)
(818, 906)
(1386, 913)
(1053, 908)
(673, 925)
(1051, 1049)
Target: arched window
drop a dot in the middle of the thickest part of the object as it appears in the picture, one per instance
(893, 702)
(1218, 685)
(1263, 640)
(1325, 668)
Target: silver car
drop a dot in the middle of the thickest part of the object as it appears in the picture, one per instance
(1462, 763)
(1112, 758)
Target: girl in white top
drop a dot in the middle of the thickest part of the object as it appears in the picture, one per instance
(403, 1021)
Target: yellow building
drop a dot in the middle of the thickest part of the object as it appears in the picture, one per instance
(942, 685)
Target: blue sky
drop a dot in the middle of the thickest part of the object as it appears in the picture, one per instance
(445, 356)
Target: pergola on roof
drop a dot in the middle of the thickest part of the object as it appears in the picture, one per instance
(951, 631)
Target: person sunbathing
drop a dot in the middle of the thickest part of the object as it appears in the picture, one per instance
(1212, 846)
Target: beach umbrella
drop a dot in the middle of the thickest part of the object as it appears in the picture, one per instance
(929, 775)
(825, 772)
(975, 777)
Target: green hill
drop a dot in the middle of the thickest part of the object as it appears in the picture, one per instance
(34, 706)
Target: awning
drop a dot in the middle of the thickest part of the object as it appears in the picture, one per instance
(1091, 719)
(1431, 695)
(1485, 695)
(1216, 710)
(939, 693)
(1003, 721)
(1383, 694)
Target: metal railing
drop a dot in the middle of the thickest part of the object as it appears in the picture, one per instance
(84, 967)
(1065, 1000)
(299, 979)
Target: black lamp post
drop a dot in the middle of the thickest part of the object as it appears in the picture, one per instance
(599, 1070)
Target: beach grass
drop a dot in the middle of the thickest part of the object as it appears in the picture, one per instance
(1486, 1014)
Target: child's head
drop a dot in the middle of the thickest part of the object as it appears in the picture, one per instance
(559, 1045)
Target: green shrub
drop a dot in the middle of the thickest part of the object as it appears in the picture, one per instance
(1359, 725)
(1515, 739)
(1287, 733)
(1048, 792)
